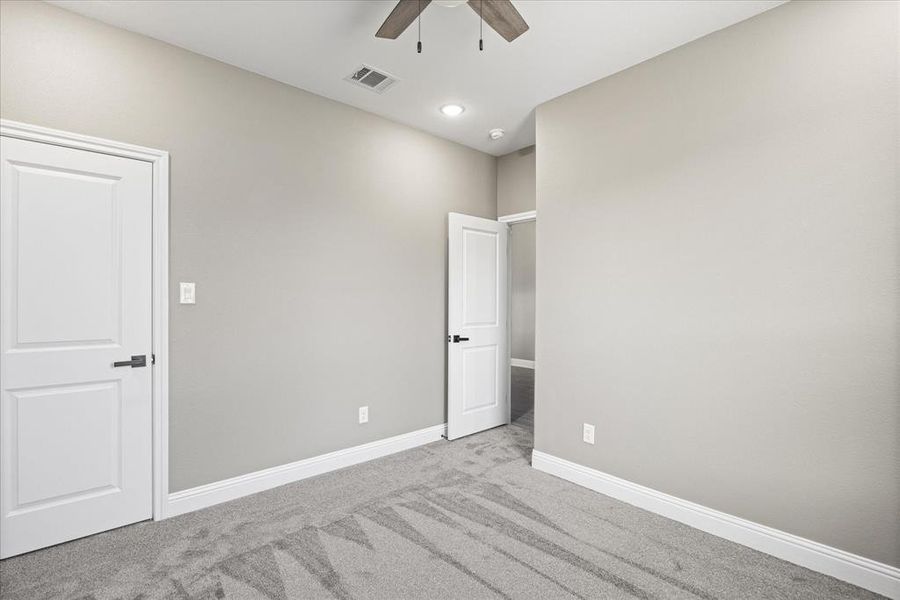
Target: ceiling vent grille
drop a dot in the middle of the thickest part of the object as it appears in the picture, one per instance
(371, 79)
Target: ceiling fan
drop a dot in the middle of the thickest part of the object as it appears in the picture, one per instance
(500, 15)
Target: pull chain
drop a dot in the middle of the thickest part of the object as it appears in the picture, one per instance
(419, 44)
(481, 27)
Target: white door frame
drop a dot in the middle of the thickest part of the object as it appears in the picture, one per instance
(522, 217)
(160, 278)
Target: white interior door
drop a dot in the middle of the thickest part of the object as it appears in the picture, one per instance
(478, 342)
(75, 269)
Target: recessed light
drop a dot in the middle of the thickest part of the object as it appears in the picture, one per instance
(496, 134)
(452, 110)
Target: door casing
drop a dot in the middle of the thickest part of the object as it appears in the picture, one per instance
(159, 160)
(522, 217)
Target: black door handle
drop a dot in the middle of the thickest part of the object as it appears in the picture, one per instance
(136, 361)
(457, 339)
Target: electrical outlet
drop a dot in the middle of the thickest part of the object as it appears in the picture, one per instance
(588, 434)
(363, 414)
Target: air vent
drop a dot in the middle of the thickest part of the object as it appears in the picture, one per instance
(371, 79)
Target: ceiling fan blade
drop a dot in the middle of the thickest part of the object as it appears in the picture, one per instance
(502, 16)
(401, 17)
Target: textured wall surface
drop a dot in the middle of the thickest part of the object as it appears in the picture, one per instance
(316, 234)
(718, 276)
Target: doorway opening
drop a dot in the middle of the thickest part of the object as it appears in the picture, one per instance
(522, 244)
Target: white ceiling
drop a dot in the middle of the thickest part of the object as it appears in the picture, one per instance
(314, 44)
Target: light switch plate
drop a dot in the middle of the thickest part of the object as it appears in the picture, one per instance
(363, 414)
(188, 292)
(588, 434)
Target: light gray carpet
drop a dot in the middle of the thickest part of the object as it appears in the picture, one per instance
(468, 519)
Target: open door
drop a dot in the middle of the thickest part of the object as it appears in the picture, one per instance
(478, 341)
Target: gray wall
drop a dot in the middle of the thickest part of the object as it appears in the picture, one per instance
(315, 232)
(521, 243)
(516, 194)
(718, 279)
(515, 182)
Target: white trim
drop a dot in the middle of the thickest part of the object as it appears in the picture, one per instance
(243, 485)
(161, 337)
(863, 572)
(160, 304)
(521, 362)
(522, 217)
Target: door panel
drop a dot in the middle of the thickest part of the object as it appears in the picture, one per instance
(478, 373)
(80, 225)
(59, 463)
(480, 281)
(479, 377)
(75, 269)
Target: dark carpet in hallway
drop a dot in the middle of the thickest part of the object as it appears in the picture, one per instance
(522, 396)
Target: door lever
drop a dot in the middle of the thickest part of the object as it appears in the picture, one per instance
(457, 339)
(136, 361)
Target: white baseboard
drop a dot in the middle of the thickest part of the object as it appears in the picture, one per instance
(863, 572)
(521, 362)
(237, 487)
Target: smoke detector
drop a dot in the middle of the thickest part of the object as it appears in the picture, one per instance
(496, 134)
(371, 78)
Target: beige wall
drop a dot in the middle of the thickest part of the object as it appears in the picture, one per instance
(515, 182)
(522, 256)
(315, 233)
(718, 277)
(516, 194)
